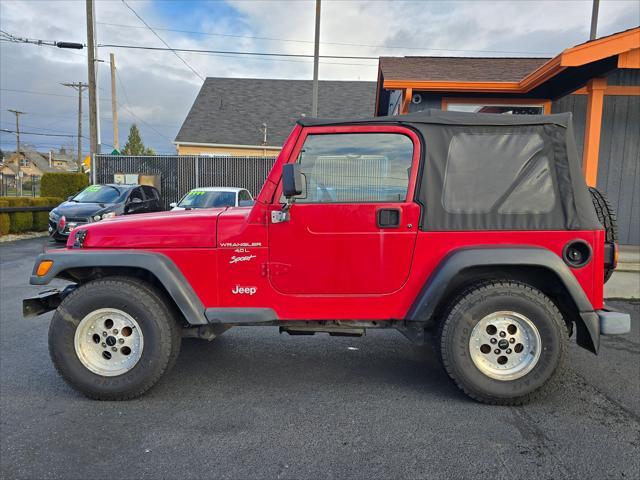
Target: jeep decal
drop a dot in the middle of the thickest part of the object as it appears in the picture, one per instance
(238, 290)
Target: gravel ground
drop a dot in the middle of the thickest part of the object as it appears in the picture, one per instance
(256, 404)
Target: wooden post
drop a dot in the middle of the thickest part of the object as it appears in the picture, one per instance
(316, 56)
(114, 102)
(595, 89)
(91, 66)
(80, 87)
(406, 100)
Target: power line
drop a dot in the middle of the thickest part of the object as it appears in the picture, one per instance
(5, 130)
(233, 55)
(327, 43)
(39, 128)
(232, 52)
(126, 96)
(272, 54)
(162, 40)
(36, 93)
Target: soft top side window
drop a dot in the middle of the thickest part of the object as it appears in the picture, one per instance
(355, 167)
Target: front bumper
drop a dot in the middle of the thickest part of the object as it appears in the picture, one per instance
(54, 229)
(613, 322)
(45, 301)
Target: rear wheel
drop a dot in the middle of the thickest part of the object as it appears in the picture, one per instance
(502, 342)
(112, 339)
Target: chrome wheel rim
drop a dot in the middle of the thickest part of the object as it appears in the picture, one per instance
(108, 342)
(505, 345)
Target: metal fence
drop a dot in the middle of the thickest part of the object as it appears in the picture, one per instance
(19, 186)
(177, 174)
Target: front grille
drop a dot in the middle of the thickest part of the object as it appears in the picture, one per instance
(73, 222)
(77, 219)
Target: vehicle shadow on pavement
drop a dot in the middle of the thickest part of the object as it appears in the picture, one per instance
(263, 361)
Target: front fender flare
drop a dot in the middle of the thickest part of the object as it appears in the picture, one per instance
(167, 273)
(434, 289)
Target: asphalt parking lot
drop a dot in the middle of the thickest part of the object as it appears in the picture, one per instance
(256, 404)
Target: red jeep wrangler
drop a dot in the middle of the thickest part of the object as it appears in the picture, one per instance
(477, 231)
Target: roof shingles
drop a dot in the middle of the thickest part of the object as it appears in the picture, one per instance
(458, 69)
(231, 111)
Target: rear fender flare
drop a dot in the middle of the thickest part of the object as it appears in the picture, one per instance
(432, 293)
(167, 273)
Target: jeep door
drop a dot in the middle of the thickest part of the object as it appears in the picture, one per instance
(353, 229)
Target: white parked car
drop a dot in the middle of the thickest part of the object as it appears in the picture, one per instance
(214, 197)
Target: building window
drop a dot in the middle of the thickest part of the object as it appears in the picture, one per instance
(533, 109)
(24, 162)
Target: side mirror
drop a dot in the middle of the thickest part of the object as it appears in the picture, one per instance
(173, 204)
(291, 180)
(70, 197)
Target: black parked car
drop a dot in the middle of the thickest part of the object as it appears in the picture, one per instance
(101, 201)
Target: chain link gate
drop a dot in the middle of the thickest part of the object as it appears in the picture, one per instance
(180, 173)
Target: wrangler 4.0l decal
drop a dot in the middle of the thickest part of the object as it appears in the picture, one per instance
(241, 244)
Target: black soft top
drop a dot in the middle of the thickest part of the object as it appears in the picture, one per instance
(440, 117)
(493, 171)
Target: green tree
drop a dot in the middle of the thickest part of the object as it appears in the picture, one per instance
(134, 145)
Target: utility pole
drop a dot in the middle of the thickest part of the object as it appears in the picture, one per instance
(316, 56)
(594, 20)
(114, 102)
(93, 101)
(80, 87)
(17, 113)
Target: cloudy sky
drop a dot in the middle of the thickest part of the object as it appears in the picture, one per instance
(156, 89)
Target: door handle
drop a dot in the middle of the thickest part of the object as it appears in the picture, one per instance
(388, 217)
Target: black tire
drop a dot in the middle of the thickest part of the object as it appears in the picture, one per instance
(607, 216)
(475, 303)
(161, 332)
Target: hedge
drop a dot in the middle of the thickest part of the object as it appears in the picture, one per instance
(4, 219)
(41, 219)
(62, 184)
(24, 221)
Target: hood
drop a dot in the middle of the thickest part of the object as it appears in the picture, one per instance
(84, 210)
(180, 229)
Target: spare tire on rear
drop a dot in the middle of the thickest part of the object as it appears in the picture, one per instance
(607, 218)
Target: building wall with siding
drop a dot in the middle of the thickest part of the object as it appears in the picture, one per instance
(233, 151)
(619, 162)
(429, 100)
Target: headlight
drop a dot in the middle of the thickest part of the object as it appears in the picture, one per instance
(103, 216)
(79, 237)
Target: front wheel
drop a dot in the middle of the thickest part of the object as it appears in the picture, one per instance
(112, 339)
(503, 342)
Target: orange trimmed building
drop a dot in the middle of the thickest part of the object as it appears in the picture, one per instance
(598, 81)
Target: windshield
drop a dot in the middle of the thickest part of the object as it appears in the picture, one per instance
(98, 194)
(203, 199)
